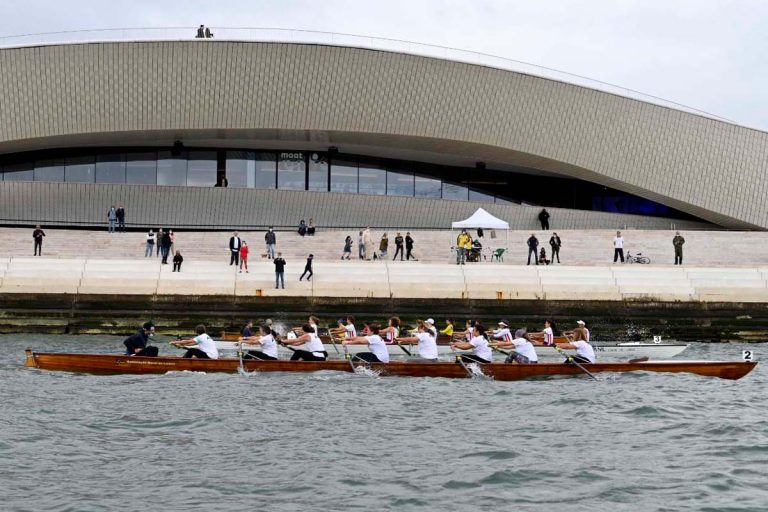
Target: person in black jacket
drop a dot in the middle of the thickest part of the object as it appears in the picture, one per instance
(533, 246)
(234, 249)
(307, 268)
(178, 259)
(271, 239)
(398, 247)
(136, 345)
(409, 247)
(555, 243)
(166, 246)
(120, 218)
(279, 271)
(38, 235)
(544, 218)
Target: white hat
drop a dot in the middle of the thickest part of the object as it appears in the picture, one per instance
(505, 324)
(430, 321)
(581, 322)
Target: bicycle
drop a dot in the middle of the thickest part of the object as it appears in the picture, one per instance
(639, 258)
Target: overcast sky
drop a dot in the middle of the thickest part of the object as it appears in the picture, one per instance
(708, 54)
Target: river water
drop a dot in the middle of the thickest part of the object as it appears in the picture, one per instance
(328, 441)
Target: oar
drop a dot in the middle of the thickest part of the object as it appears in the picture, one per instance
(461, 362)
(240, 356)
(570, 359)
(348, 358)
(333, 341)
(403, 348)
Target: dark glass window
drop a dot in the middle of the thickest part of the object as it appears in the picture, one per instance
(241, 169)
(501, 200)
(318, 172)
(171, 170)
(399, 184)
(201, 169)
(49, 170)
(80, 169)
(454, 192)
(291, 171)
(266, 170)
(344, 176)
(373, 180)
(480, 197)
(141, 168)
(427, 187)
(110, 169)
(23, 171)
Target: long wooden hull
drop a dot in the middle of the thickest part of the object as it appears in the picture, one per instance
(107, 364)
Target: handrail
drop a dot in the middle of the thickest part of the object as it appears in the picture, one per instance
(279, 34)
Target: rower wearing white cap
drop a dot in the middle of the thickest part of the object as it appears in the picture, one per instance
(583, 326)
(427, 343)
(503, 333)
(584, 351)
(523, 350)
(431, 326)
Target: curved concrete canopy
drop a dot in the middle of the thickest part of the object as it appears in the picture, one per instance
(278, 95)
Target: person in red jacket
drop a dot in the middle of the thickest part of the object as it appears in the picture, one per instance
(244, 257)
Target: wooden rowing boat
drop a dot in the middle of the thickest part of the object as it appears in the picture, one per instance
(107, 364)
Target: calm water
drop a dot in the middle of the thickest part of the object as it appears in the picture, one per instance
(343, 442)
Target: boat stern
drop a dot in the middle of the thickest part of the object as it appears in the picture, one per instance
(30, 362)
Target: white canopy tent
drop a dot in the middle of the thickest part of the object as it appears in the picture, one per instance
(483, 219)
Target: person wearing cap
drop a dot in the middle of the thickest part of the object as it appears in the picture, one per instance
(427, 343)
(583, 326)
(431, 325)
(523, 351)
(502, 333)
(481, 351)
(136, 345)
(584, 351)
(379, 353)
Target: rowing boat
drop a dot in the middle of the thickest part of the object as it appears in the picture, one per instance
(109, 364)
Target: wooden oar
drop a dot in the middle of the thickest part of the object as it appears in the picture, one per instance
(280, 342)
(571, 360)
(461, 362)
(348, 358)
(408, 352)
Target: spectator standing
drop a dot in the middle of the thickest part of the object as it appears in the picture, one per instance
(544, 219)
(178, 259)
(244, 257)
(555, 243)
(479, 232)
(166, 246)
(461, 247)
(279, 271)
(111, 218)
(533, 246)
(172, 235)
(271, 239)
(307, 268)
(347, 247)
(208, 33)
(302, 227)
(311, 227)
(120, 212)
(360, 245)
(368, 243)
(234, 249)
(618, 247)
(200, 32)
(150, 247)
(37, 236)
(398, 247)
(383, 246)
(409, 247)
(159, 240)
(678, 242)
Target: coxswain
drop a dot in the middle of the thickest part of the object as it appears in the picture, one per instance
(315, 351)
(427, 345)
(584, 351)
(522, 352)
(201, 346)
(267, 342)
(378, 349)
(136, 345)
(502, 333)
(391, 331)
(481, 352)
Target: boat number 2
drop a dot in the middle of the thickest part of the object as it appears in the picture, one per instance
(747, 355)
(657, 339)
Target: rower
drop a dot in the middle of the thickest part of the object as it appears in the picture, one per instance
(268, 344)
(347, 330)
(136, 345)
(523, 350)
(503, 333)
(449, 326)
(467, 333)
(431, 326)
(584, 351)
(390, 332)
(481, 352)
(314, 322)
(247, 331)
(205, 349)
(427, 345)
(378, 349)
(315, 351)
(546, 337)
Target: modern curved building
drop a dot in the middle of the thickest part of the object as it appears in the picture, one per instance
(350, 136)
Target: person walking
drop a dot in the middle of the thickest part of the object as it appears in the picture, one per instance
(409, 247)
(111, 219)
(244, 257)
(307, 268)
(166, 246)
(368, 244)
(150, 247)
(461, 247)
(398, 247)
(271, 239)
(360, 246)
(178, 259)
(618, 247)
(234, 249)
(544, 219)
(555, 243)
(159, 240)
(678, 242)
(120, 212)
(279, 271)
(533, 246)
(347, 248)
(37, 236)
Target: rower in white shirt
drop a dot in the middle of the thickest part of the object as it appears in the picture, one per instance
(314, 351)
(546, 337)
(345, 330)
(523, 350)
(481, 351)
(267, 342)
(392, 330)
(202, 346)
(502, 333)
(378, 349)
(427, 345)
(584, 351)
